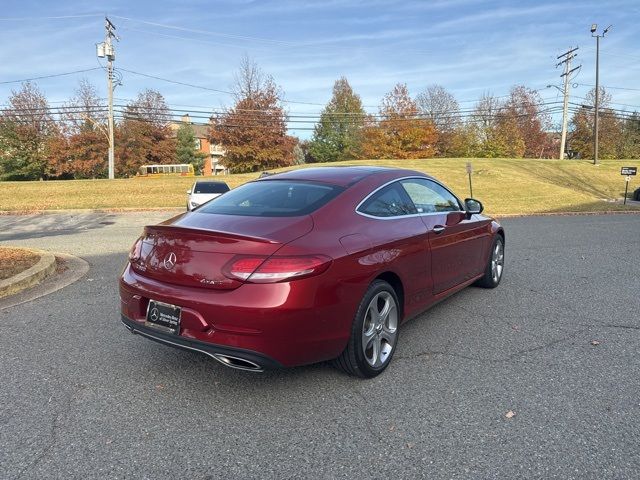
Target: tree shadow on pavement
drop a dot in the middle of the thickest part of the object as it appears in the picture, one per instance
(22, 227)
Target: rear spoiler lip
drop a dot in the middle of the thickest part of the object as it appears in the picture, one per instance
(205, 232)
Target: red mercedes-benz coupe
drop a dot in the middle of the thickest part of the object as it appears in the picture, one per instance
(309, 265)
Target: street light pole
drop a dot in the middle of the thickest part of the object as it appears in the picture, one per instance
(597, 110)
(594, 27)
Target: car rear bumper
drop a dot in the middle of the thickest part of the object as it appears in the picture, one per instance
(228, 356)
(290, 324)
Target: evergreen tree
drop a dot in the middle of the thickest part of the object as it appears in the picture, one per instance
(630, 144)
(338, 134)
(186, 147)
(26, 128)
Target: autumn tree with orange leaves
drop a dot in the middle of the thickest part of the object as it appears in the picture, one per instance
(524, 108)
(399, 131)
(144, 136)
(80, 150)
(254, 131)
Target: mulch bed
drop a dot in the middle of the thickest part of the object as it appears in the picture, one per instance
(15, 260)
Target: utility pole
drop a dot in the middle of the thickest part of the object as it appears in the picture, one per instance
(594, 27)
(106, 49)
(568, 56)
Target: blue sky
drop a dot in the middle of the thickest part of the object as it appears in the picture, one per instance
(469, 47)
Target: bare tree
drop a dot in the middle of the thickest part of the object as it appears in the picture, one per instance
(439, 106)
(150, 106)
(249, 80)
(485, 113)
(84, 110)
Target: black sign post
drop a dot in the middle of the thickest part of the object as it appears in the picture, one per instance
(628, 172)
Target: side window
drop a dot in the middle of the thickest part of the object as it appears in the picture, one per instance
(430, 197)
(391, 201)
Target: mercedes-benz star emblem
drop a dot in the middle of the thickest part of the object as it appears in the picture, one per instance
(154, 314)
(170, 260)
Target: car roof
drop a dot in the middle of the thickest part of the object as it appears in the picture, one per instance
(343, 176)
(340, 176)
(211, 182)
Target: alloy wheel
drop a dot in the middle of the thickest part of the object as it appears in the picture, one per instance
(497, 261)
(379, 329)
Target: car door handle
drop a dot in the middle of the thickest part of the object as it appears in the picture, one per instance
(438, 229)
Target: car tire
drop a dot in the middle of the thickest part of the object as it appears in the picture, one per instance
(495, 265)
(374, 333)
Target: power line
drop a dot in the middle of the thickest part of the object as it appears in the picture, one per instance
(201, 87)
(175, 81)
(210, 33)
(50, 76)
(197, 40)
(609, 87)
(59, 17)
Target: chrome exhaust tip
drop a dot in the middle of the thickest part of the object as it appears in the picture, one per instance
(237, 363)
(227, 360)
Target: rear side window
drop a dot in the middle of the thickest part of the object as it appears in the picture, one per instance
(211, 187)
(273, 198)
(390, 201)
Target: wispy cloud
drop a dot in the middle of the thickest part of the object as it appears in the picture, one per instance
(468, 46)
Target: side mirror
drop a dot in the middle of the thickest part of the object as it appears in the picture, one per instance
(472, 206)
(188, 192)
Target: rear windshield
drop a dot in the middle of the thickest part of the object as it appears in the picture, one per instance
(211, 187)
(273, 198)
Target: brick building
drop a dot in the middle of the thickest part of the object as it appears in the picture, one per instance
(213, 164)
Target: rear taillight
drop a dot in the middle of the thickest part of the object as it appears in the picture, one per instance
(276, 268)
(134, 253)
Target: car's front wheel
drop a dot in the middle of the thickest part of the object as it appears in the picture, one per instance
(495, 266)
(374, 333)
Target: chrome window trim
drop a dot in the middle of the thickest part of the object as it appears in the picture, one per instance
(412, 214)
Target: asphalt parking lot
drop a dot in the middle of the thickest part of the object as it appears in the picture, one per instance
(557, 344)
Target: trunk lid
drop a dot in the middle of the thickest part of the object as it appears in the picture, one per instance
(192, 249)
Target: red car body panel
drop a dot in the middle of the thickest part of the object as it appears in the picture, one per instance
(303, 320)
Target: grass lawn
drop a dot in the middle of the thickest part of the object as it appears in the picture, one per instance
(505, 186)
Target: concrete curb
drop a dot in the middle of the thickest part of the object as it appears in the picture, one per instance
(564, 214)
(30, 277)
(76, 268)
(132, 210)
